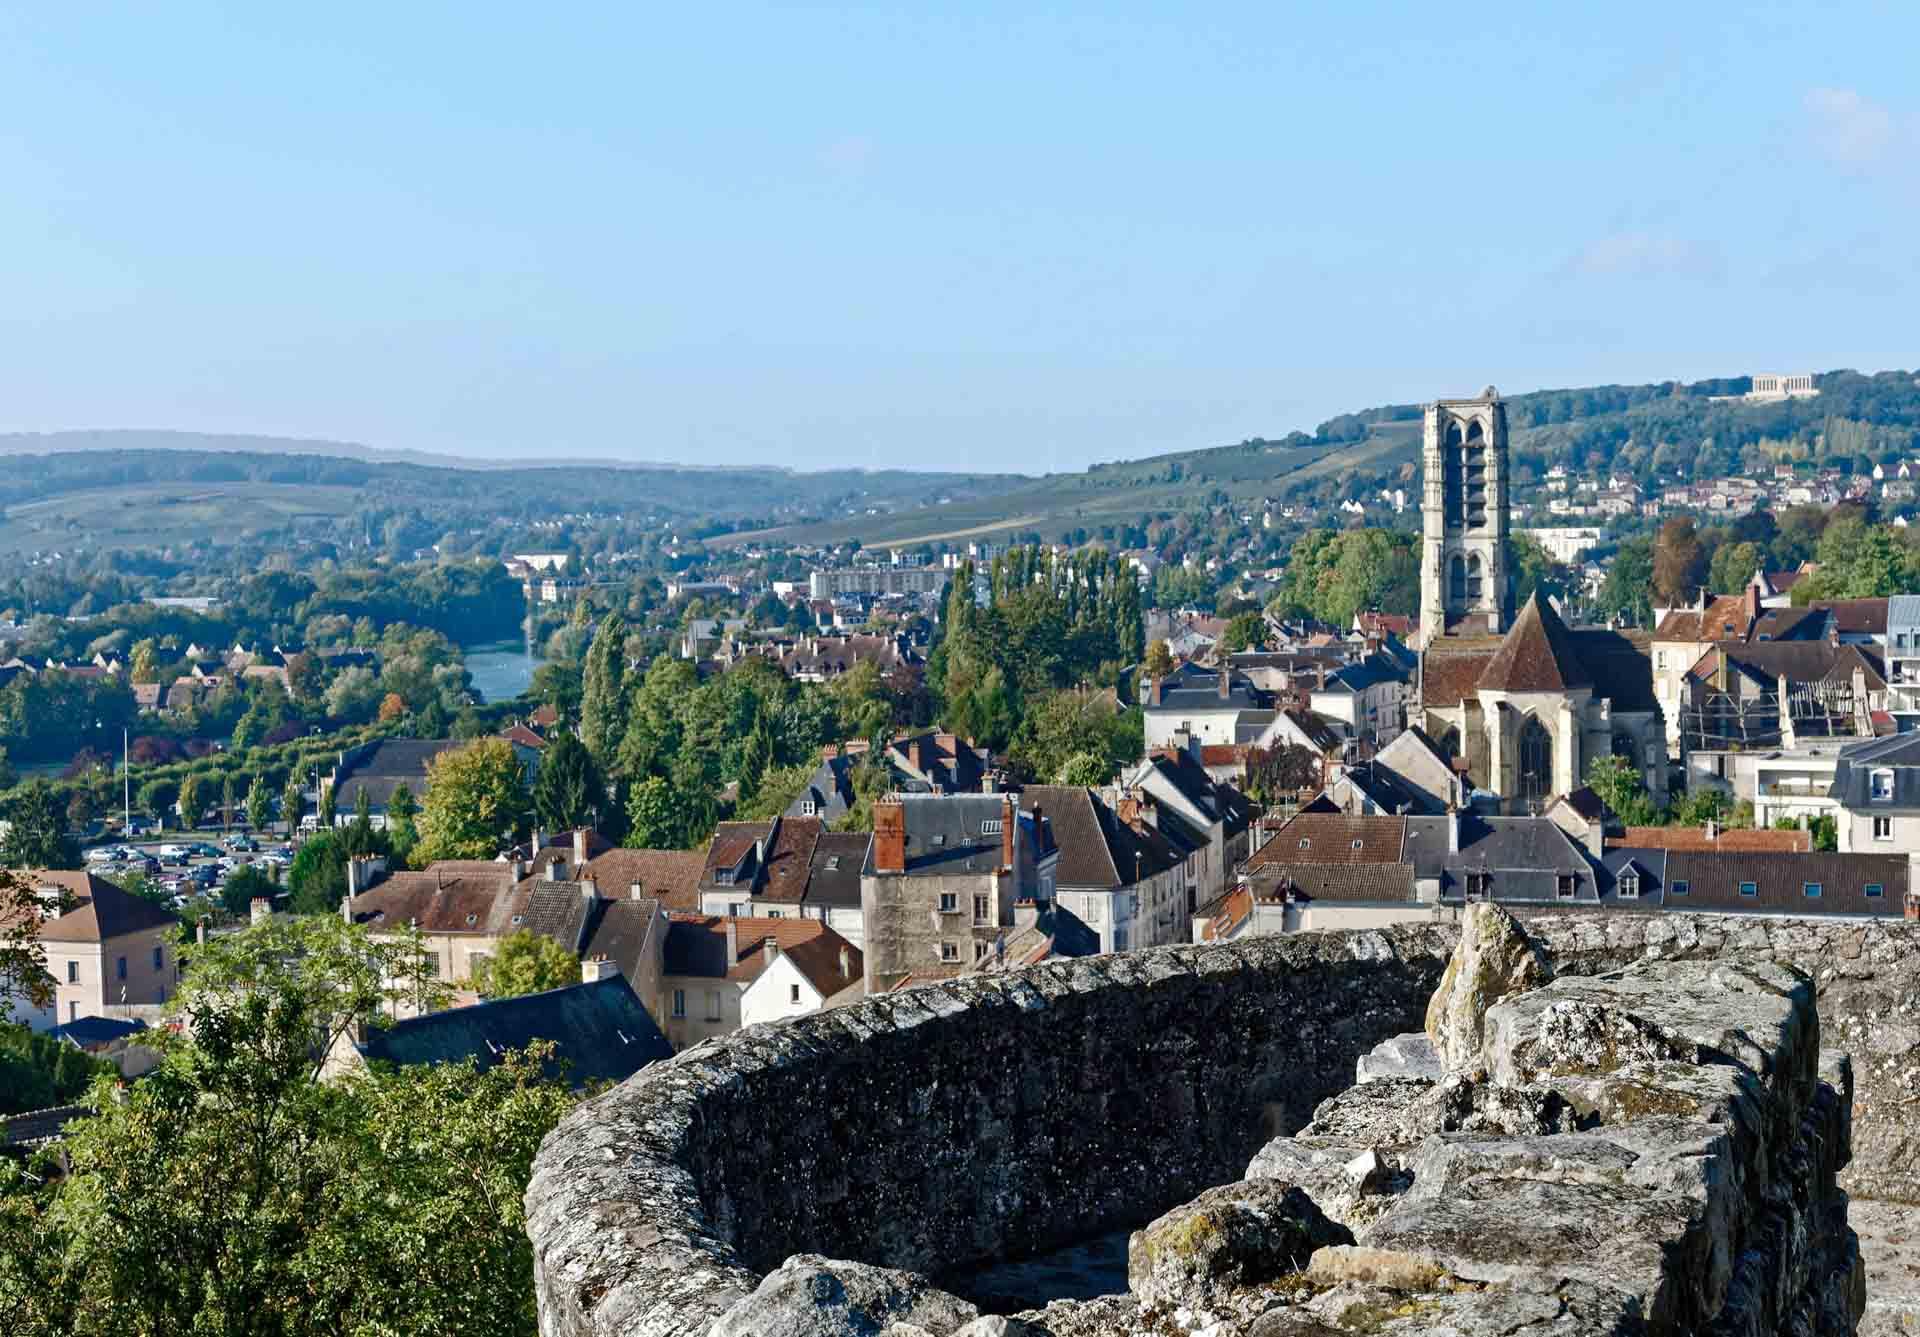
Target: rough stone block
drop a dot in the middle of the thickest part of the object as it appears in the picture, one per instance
(810, 1296)
(1229, 1237)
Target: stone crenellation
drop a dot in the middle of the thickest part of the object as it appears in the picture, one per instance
(1005, 1116)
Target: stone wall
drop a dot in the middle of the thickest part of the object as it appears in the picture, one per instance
(976, 1119)
(988, 1118)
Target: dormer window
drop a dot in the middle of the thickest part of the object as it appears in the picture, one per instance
(1880, 786)
(1565, 885)
(723, 877)
(990, 827)
(1479, 884)
(1628, 886)
(1305, 843)
(808, 807)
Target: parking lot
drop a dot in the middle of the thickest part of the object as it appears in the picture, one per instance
(190, 864)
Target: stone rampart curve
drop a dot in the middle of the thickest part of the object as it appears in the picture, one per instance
(1002, 1116)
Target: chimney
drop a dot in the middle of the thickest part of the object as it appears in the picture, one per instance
(733, 943)
(770, 949)
(1226, 687)
(1127, 809)
(1153, 692)
(1009, 828)
(598, 968)
(889, 836)
(846, 963)
(1026, 913)
(589, 890)
(1713, 829)
(633, 891)
(759, 853)
(259, 909)
(1753, 605)
(539, 842)
(580, 847)
(519, 867)
(1453, 830)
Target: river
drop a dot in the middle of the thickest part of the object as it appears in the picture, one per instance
(501, 669)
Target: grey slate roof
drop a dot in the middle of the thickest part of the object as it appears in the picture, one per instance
(835, 877)
(600, 1032)
(1853, 773)
(945, 835)
(620, 930)
(1779, 881)
(382, 767)
(1524, 856)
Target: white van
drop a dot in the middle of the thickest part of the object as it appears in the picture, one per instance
(175, 851)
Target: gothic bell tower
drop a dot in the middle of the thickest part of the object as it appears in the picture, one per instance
(1463, 509)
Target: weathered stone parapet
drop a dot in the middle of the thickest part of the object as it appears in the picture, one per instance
(961, 1122)
(1001, 1117)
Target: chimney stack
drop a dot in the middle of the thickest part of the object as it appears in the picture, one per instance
(589, 890)
(1753, 605)
(580, 847)
(733, 942)
(913, 756)
(770, 949)
(846, 963)
(1226, 687)
(1713, 829)
(889, 835)
(633, 891)
(1009, 829)
(1453, 830)
(598, 968)
(1153, 692)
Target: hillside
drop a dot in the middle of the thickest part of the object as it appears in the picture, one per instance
(153, 489)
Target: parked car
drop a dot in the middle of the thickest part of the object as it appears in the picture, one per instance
(102, 854)
(242, 844)
(205, 875)
(206, 851)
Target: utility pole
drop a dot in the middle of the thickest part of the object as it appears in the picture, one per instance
(126, 778)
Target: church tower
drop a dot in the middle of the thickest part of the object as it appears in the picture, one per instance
(1463, 508)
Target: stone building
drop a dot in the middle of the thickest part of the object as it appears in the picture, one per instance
(941, 880)
(105, 948)
(1463, 510)
(1523, 709)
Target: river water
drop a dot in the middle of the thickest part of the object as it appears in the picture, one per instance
(501, 669)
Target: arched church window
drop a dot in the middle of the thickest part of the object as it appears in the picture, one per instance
(1473, 576)
(1623, 747)
(1449, 741)
(1453, 486)
(1458, 581)
(1536, 760)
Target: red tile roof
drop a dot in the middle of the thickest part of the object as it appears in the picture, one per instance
(1328, 837)
(697, 946)
(1696, 838)
(671, 877)
(104, 911)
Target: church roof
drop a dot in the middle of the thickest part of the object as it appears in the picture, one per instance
(1537, 655)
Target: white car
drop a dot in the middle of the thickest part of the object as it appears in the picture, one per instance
(102, 854)
(175, 851)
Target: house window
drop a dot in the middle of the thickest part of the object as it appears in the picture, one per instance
(120, 970)
(793, 993)
(1874, 891)
(808, 807)
(1883, 828)
(1749, 889)
(776, 914)
(949, 902)
(1678, 888)
(949, 951)
(1812, 890)
(1564, 886)
(983, 909)
(679, 1002)
(713, 1005)
(1881, 783)
(73, 972)
(980, 951)
(990, 827)
(432, 962)
(159, 958)
(1479, 884)
(1628, 887)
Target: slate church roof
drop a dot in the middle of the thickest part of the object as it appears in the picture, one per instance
(1537, 655)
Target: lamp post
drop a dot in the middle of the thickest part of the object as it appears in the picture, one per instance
(126, 781)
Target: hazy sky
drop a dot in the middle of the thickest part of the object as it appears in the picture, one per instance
(891, 235)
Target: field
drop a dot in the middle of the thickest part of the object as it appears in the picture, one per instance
(1116, 494)
(156, 514)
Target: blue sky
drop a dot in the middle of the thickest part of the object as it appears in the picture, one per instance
(979, 237)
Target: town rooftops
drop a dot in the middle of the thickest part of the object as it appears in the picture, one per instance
(1098, 848)
(768, 860)
(1895, 760)
(670, 876)
(1334, 838)
(96, 1032)
(956, 834)
(1800, 884)
(1537, 655)
(835, 879)
(600, 1033)
(736, 948)
(380, 767)
(1715, 838)
(453, 896)
(103, 911)
(1727, 617)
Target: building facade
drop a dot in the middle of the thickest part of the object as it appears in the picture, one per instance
(1464, 516)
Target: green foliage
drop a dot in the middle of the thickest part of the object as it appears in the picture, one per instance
(1064, 725)
(38, 836)
(192, 801)
(476, 800)
(1279, 774)
(23, 961)
(1332, 575)
(1700, 806)
(525, 962)
(1825, 830)
(870, 780)
(1628, 589)
(318, 877)
(1622, 788)
(1246, 631)
(1086, 769)
(247, 882)
(231, 1191)
(568, 791)
(156, 798)
(37, 1071)
(663, 816)
(603, 696)
(1159, 659)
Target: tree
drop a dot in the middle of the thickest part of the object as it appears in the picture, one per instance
(1159, 659)
(1732, 567)
(1621, 787)
(1627, 591)
(232, 1191)
(1280, 773)
(659, 816)
(143, 664)
(327, 799)
(23, 961)
(568, 791)
(37, 835)
(259, 804)
(192, 801)
(243, 886)
(393, 706)
(226, 801)
(293, 800)
(1086, 769)
(318, 876)
(37, 1071)
(402, 835)
(525, 962)
(476, 798)
(157, 797)
(1679, 562)
(1247, 631)
(603, 696)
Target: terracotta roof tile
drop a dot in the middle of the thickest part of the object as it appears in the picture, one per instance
(1333, 838)
(1695, 838)
(670, 876)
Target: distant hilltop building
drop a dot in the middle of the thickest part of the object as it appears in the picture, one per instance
(1771, 387)
(876, 580)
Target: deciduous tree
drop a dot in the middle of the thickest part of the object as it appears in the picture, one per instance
(476, 798)
(525, 962)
